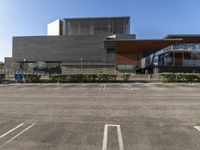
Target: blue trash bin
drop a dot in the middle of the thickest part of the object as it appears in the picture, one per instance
(18, 77)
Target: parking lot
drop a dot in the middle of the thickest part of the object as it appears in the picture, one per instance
(100, 116)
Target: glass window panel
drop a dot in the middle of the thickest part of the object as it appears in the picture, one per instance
(125, 67)
(111, 56)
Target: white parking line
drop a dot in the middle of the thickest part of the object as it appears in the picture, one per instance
(120, 139)
(128, 87)
(20, 133)
(102, 87)
(123, 85)
(13, 129)
(105, 137)
(197, 127)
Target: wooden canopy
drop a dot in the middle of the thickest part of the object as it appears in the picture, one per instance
(130, 51)
(141, 46)
(186, 38)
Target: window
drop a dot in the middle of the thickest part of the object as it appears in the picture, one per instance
(126, 67)
(111, 56)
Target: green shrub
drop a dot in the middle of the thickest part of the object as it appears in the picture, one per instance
(103, 77)
(90, 77)
(168, 77)
(2, 77)
(180, 77)
(57, 78)
(125, 76)
(107, 77)
(192, 77)
(113, 77)
(75, 78)
(53, 78)
(31, 78)
(83, 78)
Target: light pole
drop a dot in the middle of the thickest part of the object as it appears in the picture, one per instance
(82, 60)
(25, 60)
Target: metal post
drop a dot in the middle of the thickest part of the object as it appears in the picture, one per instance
(81, 65)
(182, 58)
(25, 60)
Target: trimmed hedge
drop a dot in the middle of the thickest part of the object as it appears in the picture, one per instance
(106, 77)
(83, 78)
(32, 78)
(57, 78)
(2, 77)
(180, 77)
(125, 76)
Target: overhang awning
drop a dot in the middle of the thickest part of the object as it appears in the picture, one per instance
(137, 46)
(186, 38)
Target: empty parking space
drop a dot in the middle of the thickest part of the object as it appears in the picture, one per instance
(51, 135)
(59, 136)
(160, 136)
(11, 130)
(102, 116)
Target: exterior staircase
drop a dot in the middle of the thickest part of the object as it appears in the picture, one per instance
(196, 55)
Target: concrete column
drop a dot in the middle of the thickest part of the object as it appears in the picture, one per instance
(173, 58)
(182, 58)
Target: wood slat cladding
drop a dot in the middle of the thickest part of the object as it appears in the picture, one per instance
(130, 46)
(126, 58)
(131, 51)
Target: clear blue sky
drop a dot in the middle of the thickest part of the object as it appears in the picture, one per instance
(149, 18)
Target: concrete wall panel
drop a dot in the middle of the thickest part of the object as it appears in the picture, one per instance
(59, 48)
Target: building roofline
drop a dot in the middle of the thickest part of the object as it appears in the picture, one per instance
(138, 40)
(180, 35)
(112, 17)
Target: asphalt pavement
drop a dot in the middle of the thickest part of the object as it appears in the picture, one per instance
(100, 116)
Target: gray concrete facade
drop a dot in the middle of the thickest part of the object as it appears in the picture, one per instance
(64, 49)
(68, 69)
(69, 47)
(59, 48)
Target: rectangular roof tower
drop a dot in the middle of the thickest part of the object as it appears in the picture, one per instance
(91, 26)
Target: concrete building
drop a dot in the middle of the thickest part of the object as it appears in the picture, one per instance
(89, 45)
(70, 43)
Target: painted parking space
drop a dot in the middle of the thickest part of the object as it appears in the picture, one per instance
(74, 116)
(61, 136)
(99, 136)
(11, 130)
(165, 136)
(62, 87)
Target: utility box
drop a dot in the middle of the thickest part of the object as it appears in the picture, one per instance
(18, 77)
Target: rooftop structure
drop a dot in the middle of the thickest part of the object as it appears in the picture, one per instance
(90, 26)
